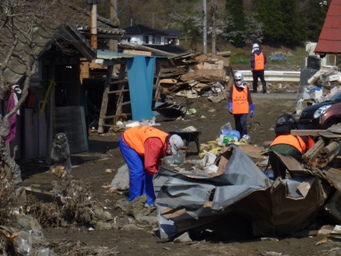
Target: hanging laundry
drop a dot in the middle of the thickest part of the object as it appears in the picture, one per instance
(12, 102)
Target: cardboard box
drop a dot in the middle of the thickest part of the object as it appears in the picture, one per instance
(300, 105)
(313, 93)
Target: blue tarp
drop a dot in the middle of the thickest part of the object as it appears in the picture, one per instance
(141, 81)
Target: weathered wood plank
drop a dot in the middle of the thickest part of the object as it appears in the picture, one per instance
(306, 132)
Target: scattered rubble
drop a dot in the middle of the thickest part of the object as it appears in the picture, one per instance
(321, 86)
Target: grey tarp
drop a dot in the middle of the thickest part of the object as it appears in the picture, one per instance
(187, 200)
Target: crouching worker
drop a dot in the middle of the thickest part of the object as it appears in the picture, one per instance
(291, 145)
(143, 147)
(287, 144)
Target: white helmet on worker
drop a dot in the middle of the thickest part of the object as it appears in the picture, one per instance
(239, 79)
(255, 47)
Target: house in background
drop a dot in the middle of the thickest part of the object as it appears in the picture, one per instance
(57, 100)
(329, 43)
(162, 40)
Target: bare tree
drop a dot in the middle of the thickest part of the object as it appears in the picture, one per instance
(22, 26)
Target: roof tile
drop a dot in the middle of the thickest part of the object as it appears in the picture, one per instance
(330, 36)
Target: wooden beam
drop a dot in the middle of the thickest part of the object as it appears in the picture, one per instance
(136, 52)
(306, 132)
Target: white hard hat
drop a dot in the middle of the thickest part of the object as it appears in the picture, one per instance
(238, 76)
(254, 46)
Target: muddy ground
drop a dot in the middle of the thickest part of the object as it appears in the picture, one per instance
(92, 167)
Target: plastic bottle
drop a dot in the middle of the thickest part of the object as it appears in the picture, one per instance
(225, 128)
(23, 243)
(178, 158)
(247, 138)
(225, 139)
(43, 252)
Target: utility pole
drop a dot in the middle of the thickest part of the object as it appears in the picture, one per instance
(113, 15)
(214, 9)
(93, 21)
(204, 26)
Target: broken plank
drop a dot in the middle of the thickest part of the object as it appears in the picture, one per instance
(136, 52)
(334, 175)
(330, 135)
(306, 132)
(168, 81)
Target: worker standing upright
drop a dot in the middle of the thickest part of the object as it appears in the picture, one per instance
(240, 103)
(258, 62)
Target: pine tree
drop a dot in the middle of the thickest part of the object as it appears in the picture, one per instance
(235, 22)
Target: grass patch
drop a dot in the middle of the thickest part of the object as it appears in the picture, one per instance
(294, 58)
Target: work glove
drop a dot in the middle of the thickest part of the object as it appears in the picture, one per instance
(252, 110)
(229, 104)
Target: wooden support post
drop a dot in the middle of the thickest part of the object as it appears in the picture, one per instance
(105, 100)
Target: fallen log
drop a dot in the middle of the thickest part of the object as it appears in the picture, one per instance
(313, 152)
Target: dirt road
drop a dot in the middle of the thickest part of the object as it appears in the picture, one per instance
(131, 240)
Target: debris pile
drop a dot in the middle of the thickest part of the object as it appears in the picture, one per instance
(321, 86)
(195, 197)
(194, 75)
(69, 204)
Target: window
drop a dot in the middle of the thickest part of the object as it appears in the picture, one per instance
(146, 39)
(157, 40)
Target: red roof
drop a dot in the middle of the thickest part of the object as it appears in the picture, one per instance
(330, 37)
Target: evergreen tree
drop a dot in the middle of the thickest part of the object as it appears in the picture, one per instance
(269, 14)
(235, 31)
(291, 22)
(292, 29)
(313, 14)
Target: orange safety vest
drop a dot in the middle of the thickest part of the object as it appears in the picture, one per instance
(136, 136)
(310, 143)
(259, 61)
(240, 103)
(295, 141)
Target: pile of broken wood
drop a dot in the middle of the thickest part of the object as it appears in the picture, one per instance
(325, 150)
(193, 75)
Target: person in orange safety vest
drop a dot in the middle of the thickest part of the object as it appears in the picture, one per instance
(287, 144)
(143, 147)
(258, 62)
(240, 103)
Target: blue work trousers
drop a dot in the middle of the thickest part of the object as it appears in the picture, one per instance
(140, 181)
(240, 122)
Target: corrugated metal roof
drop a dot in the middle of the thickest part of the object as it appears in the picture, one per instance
(110, 55)
(330, 37)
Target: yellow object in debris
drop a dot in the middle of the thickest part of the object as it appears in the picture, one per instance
(206, 147)
(215, 150)
(52, 83)
(243, 141)
(212, 142)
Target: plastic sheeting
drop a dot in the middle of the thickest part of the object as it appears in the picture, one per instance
(141, 80)
(279, 207)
